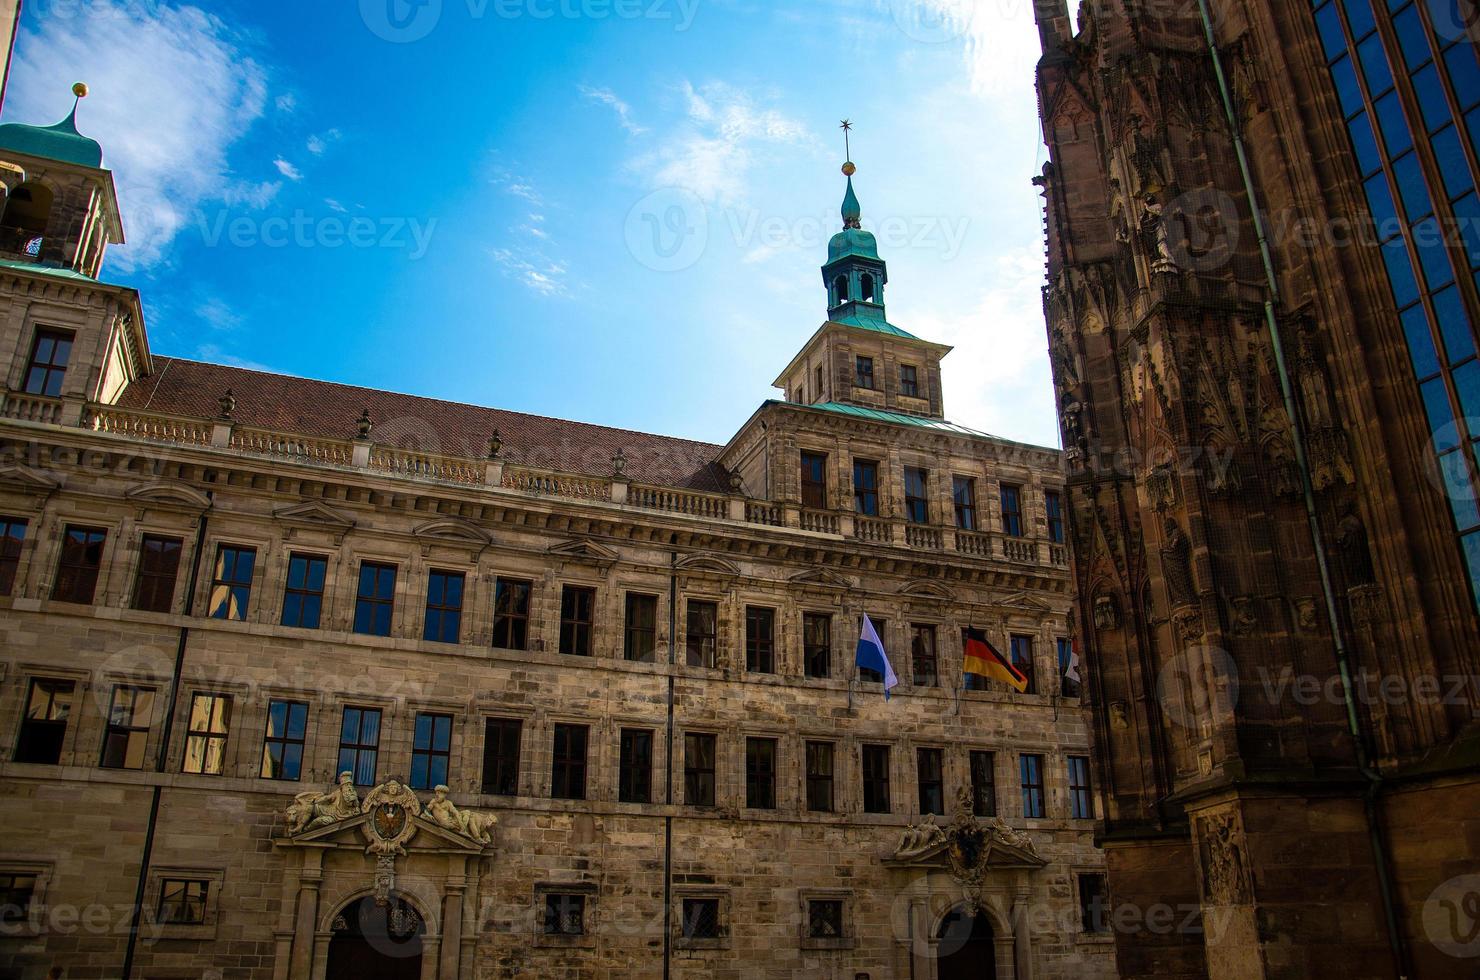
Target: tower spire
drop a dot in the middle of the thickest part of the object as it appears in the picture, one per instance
(852, 210)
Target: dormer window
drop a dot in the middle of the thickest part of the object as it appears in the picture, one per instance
(48, 366)
(909, 381)
(865, 373)
(840, 288)
(868, 288)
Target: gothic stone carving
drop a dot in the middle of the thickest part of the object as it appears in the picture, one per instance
(1176, 563)
(310, 811)
(1224, 869)
(1106, 612)
(390, 827)
(475, 826)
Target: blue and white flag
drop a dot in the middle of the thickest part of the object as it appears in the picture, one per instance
(871, 656)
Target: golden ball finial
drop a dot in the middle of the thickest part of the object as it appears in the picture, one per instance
(849, 170)
(80, 90)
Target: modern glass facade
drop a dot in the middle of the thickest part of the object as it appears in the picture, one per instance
(1408, 79)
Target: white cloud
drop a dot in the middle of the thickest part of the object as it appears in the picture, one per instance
(335, 206)
(287, 169)
(542, 275)
(287, 102)
(713, 150)
(173, 90)
(607, 97)
(318, 144)
(254, 196)
(218, 315)
(1000, 40)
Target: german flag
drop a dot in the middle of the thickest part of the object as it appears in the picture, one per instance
(983, 660)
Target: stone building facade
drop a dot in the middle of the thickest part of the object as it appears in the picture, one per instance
(594, 689)
(1270, 425)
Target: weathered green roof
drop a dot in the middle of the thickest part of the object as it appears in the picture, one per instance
(898, 418)
(45, 270)
(60, 142)
(861, 320)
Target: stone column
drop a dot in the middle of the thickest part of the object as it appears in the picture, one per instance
(452, 916)
(1022, 942)
(308, 912)
(431, 958)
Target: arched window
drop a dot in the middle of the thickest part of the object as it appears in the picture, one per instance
(840, 287)
(868, 288)
(27, 211)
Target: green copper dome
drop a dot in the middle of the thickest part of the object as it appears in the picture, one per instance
(852, 241)
(60, 142)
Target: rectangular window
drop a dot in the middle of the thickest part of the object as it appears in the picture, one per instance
(231, 582)
(1054, 504)
(431, 751)
(703, 633)
(282, 748)
(205, 739)
(817, 644)
(909, 381)
(760, 773)
(568, 780)
(825, 918)
(819, 393)
(820, 777)
(81, 560)
(881, 627)
(375, 602)
(12, 536)
(930, 779)
(511, 614)
(159, 567)
(182, 901)
(642, 628)
(1012, 510)
(577, 615)
(876, 779)
(698, 769)
(127, 733)
(303, 597)
(501, 738)
(565, 915)
(760, 640)
(1032, 780)
(359, 744)
(1022, 659)
(700, 918)
(866, 487)
(17, 893)
(814, 481)
(864, 376)
(1094, 903)
(444, 608)
(983, 784)
(923, 657)
(48, 365)
(1081, 804)
(44, 725)
(916, 503)
(635, 775)
(1068, 686)
(963, 494)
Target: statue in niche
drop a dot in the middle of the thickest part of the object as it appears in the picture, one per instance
(1356, 558)
(1176, 563)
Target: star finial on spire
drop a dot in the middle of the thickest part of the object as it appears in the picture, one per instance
(848, 167)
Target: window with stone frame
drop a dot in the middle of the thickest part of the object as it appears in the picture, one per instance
(431, 750)
(182, 901)
(1053, 503)
(359, 744)
(12, 538)
(930, 779)
(1068, 686)
(760, 640)
(159, 570)
(231, 582)
(208, 725)
(825, 918)
(44, 724)
(866, 487)
(923, 655)
(18, 894)
(375, 600)
(864, 373)
(1081, 799)
(635, 766)
(817, 644)
(881, 626)
(284, 742)
(303, 593)
(1031, 777)
(127, 733)
(909, 381)
(565, 914)
(501, 743)
(1021, 648)
(876, 779)
(443, 622)
(820, 776)
(700, 918)
(963, 496)
(511, 614)
(47, 367)
(1094, 902)
(641, 635)
(699, 751)
(78, 566)
(701, 641)
(819, 394)
(814, 480)
(1012, 510)
(916, 495)
(983, 784)
(760, 773)
(568, 776)
(577, 620)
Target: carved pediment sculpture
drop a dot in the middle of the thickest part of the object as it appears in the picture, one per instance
(310, 811)
(391, 807)
(388, 815)
(475, 826)
(970, 847)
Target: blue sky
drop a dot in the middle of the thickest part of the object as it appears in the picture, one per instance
(605, 210)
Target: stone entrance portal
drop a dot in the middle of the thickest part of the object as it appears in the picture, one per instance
(374, 942)
(967, 948)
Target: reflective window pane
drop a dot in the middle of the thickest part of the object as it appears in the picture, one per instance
(1411, 37)
(1384, 212)
(1433, 255)
(1394, 126)
(1464, 74)
(1431, 101)
(1452, 163)
(1375, 66)
(1411, 186)
(1454, 325)
(1347, 90)
(1364, 143)
(1328, 22)
(1359, 16)
(1400, 272)
(1420, 342)
(1441, 417)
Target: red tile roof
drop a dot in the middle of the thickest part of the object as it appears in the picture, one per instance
(329, 410)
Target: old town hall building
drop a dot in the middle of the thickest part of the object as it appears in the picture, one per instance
(299, 680)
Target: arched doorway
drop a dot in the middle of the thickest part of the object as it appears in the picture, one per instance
(374, 942)
(967, 949)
